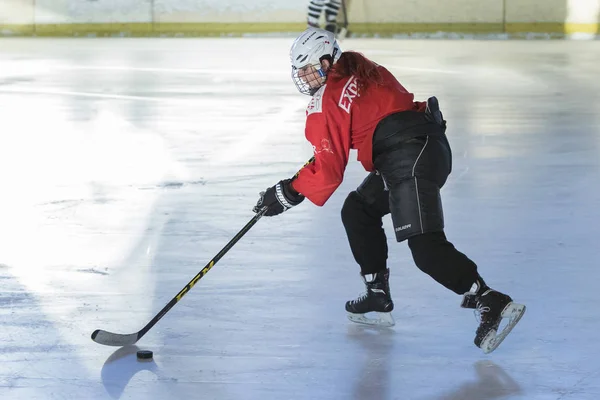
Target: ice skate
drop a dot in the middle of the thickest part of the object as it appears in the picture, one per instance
(493, 307)
(376, 302)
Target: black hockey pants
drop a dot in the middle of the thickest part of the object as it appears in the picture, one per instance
(410, 174)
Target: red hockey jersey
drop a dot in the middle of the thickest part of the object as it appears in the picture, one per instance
(339, 118)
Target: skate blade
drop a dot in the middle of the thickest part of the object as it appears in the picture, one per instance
(513, 312)
(382, 319)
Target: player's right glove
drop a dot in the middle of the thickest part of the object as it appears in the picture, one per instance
(278, 198)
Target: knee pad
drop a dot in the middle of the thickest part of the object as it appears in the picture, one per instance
(421, 245)
(372, 188)
(437, 257)
(370, 201)
(358, 210)
(353, 205)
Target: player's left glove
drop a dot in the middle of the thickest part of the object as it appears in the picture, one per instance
(278, 198)
(433, 113)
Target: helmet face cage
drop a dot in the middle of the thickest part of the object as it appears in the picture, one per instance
(308, 79)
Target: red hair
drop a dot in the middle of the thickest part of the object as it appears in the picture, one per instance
(353, 63)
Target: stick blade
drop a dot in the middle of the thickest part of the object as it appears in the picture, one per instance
(114, 339)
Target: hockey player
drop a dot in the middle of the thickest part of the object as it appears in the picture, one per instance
(332, 8)
(357, 104)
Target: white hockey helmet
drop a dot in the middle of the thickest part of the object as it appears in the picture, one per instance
(312, 46)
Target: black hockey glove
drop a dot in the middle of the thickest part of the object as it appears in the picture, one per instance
(433, 113)
(278, 198)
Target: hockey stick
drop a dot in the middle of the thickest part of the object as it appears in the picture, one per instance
(117, 339)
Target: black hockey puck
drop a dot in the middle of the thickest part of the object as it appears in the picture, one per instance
(144, 355)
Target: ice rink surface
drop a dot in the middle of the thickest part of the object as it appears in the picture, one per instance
(127, 164)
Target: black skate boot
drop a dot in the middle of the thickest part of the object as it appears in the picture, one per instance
(377, 299)
(492, 306)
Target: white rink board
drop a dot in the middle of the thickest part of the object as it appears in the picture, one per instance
(156, 17)
(16, 12)
(236, 11)
(430, 11)
(97, 11)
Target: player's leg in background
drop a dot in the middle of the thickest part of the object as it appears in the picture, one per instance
(315, 8)
(332, 9)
